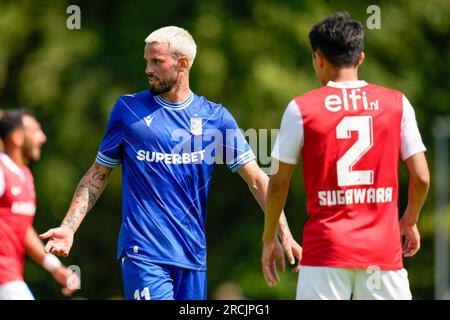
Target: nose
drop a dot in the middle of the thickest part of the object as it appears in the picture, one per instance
(149, 70)
(43, 137)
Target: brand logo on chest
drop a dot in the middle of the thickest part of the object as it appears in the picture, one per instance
(148, 120)
(196, 126)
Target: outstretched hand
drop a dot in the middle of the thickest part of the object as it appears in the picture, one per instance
(60, 242)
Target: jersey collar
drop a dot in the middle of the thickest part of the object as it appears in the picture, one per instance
(11, 165)
(347, 84)
(174, 105)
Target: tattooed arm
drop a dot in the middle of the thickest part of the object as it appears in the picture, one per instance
(89, 189)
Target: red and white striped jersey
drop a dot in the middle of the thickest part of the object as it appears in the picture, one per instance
(350, 136)
(17, 209)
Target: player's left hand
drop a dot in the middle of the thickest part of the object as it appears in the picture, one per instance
(272, 255)
(293, 251)
(68, 279)
(412, 237)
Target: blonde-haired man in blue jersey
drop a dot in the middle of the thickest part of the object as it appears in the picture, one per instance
(168, 140)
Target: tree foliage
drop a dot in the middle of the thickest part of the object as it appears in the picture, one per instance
(253, 56)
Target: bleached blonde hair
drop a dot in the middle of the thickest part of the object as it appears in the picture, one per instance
(179, 40)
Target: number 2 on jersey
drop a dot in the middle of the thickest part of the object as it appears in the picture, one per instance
(346, 176)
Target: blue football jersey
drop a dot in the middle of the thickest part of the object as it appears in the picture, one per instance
(168, 152)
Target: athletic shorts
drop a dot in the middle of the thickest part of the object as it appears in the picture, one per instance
(15, 290)
(327, 283)
(143, 280)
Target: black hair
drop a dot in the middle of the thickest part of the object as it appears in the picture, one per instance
(339, 38)
(12, 119)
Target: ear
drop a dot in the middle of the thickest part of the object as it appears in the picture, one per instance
(17, 137)
(361, 59)
(183, 62)
(320, 59)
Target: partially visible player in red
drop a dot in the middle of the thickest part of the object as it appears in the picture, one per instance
(22, 139)
(350, 136)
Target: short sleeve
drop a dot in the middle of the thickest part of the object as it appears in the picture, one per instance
(411, 141)
(110, 151)
(236, 150)
(289, 141)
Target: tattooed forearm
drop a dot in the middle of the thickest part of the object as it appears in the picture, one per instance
(92, 198)
(93, 185)
(96, 186)
(72, 221)
(89, 189)
(99, 176)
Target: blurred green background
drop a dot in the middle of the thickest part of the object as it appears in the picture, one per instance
(253, 57)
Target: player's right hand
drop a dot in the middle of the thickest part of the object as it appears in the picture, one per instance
(60, 242)
(272, 255)
(68, 278)
(411, 244)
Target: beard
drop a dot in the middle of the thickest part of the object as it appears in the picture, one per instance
(30, 152)
(164, 84)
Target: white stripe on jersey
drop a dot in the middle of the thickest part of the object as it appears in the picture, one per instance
(107, 161)
(172, 105)
(12, 166)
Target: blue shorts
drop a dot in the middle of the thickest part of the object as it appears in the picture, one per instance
(143, 280)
